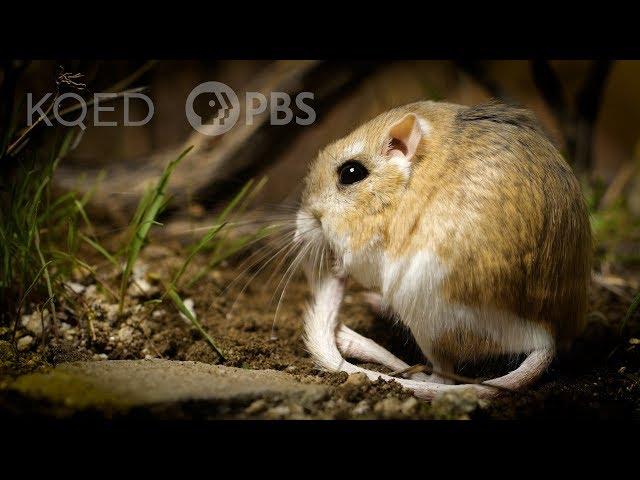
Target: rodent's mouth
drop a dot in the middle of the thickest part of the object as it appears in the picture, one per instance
(315, 241)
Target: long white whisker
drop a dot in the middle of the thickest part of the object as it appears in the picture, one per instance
(257, 273)
(290, 271)
(262, 253)
(267, 250)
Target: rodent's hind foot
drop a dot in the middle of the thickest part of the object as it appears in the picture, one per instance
(353, 345)
(435, 378)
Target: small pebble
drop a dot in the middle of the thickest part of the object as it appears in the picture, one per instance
(349, 389)
(361, 408)
(91, 292)
(190, 306)
(33, 323)
(217, 276)
(142, 288)
(280, 411)
(388, 408)
(76, 287)
(409, 406)
(125, 334)
(111, 311)
(25, 343)
(357, 379)
(257, 406)
(455, 405)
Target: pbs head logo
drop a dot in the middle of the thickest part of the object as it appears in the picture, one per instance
(226, 102)
(278, 106)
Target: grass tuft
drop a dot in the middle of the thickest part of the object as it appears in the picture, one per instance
(29, 221)
(150, 206)
(41, 234)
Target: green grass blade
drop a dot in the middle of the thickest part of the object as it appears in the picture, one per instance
(632, 308)
(100, 249)
(154, 202)
(47, 277)
(88, 268)
(33, 284)
(84, 215)
(185, 311)
(234, 201)
(208, 237)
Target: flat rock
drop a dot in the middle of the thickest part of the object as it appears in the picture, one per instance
(118, 385)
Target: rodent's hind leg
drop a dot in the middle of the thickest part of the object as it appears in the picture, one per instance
(320, 338)
(353, 345)
(374, 300)
(528, 372)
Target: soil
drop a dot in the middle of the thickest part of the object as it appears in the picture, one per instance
(598, 378)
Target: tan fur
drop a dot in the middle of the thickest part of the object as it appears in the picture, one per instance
(449, 346)
(528, 248)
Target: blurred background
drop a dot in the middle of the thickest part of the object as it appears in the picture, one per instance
(591, 109)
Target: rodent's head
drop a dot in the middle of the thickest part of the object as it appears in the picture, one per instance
(355, 184)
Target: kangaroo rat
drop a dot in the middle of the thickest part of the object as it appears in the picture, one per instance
(469, 224)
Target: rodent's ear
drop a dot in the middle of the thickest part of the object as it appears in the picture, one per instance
(404, 137)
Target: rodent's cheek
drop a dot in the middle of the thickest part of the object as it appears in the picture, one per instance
(337, 234)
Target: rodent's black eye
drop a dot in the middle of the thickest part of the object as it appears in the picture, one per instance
(351, 172)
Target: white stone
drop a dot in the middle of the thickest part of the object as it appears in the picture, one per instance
(25, 343)
(76, 287)
(111, 311)
(361, 408)
(142, 288)
(125, 334)
(188, 303)
(33, 323)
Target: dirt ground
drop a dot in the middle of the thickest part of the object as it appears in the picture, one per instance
(599, 378)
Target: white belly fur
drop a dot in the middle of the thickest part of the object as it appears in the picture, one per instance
(411, 288)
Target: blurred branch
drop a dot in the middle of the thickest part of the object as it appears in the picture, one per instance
(125, 82)
(617, 186)
(478, 72)
(550, 87)
(577, 120)
(588, 102)
(212, 156)
(621, 181)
